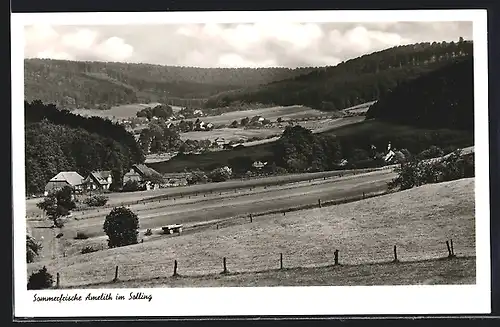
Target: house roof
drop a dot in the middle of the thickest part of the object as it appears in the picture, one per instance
(101, 176)
(71, 177)
(143, 169)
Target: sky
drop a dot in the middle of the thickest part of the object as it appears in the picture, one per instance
(270, 44)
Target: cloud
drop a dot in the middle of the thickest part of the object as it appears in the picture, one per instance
(42, 41)
(234, 45)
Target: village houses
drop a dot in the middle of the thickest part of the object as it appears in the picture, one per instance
(62, 179)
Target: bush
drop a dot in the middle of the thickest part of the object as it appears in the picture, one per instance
(220, 174)
(416, 173)
(40, 280)
(59, 223)
(81, 236)
(121, 225)
(148, 232)
(33, 248)
(96, 201)
(132, 186)
(88, 249)
(197, 177)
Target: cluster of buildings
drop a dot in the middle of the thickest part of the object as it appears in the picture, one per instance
(99, 180)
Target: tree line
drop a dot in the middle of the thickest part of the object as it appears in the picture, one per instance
(75, 84)
(439, 99)
(56, 140)
(352, 82)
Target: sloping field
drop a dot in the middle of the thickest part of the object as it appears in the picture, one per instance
(271, 113)
(123, 111)
(230, 134)
(418, 221)
(425, 272)
(202, 208)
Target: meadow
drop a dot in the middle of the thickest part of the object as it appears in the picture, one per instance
(117, 112)
(418, 221)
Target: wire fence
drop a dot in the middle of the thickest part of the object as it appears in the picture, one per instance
(209, 265)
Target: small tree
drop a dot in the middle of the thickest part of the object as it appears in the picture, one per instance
(58, 204)
(33, 248)
(41, 279)
(121, 225)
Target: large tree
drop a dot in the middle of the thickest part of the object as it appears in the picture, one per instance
(121, 225)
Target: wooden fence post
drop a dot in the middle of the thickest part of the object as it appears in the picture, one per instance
(395, 254)
(116, 274)
(58, 281)
(250, 217)
(319, 203)
(363, 195)
(449, 250)
(281, 260)
(452, 251)
(224, 264)
(175, 268)
(217, 226)
(336, 258)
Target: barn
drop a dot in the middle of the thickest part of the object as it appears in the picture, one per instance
(65, 178)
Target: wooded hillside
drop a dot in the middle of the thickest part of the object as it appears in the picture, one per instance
(354, 81)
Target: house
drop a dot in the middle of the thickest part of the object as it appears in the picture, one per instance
(65, 178)
(98, 180)
(141, 173)
(259, 164)
(198, 112)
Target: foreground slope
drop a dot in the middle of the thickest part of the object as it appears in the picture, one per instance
(418, 221)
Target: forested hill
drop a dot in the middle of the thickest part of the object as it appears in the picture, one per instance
(352, 82)
(441, 99)
(74, 84)
(56, 140)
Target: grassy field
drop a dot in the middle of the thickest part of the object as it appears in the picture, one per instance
(120, 112)
(231, 134)
(353, 131)
(459, 271)
(418, 221)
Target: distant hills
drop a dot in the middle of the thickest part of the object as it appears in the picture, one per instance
(352, 82)
(443, 98)
(100, 85)
(74, 84)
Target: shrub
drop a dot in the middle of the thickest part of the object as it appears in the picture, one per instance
(197, 177)
(416, 173)
(33, 248)
(148, 232)
(41, 279)
(121, 225)
(96, 201)
(220, 174)
(132, 186)
(88, 249)
(81, 236)
(59, 223)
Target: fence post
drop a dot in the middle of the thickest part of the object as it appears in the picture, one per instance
(58, 280)
(449, 250)
(336, 258)
(395, 254)
(281, 260)
(250, 217)
(319, 203)
(452, 251)
(217, 226)
(116, 274)
(224, 264)
(363, 195)
(175, 268)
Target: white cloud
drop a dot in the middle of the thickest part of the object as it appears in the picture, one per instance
(266, 44)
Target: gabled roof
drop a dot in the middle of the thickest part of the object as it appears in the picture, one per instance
(71, 177)
(101, 176)
(144, 170)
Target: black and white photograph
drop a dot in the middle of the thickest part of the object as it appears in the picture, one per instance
(233, 163)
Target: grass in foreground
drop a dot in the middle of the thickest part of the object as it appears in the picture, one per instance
(457, 271)
(418, 221)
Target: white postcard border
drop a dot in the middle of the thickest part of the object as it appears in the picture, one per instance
(353, 300)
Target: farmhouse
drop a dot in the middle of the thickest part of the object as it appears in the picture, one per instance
(141, 174)
(98, 180)
(65, 178)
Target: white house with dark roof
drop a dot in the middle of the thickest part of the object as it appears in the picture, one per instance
(98, 180)
(65, 178)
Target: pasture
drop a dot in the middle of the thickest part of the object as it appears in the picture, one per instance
(231, 134)
(118, 112)
(418, 221)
